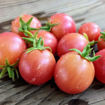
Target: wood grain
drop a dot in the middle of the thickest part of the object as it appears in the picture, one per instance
(20, 93)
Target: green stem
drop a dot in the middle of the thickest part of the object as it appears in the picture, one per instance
(4, 70)
(29, 33)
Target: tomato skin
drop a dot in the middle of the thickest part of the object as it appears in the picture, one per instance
(73, 74)
(37, 67)
(100, 66)
(16, 24)
(69, 41)
(11, 47)
(49, 40)
(101, 44)
(91, 29)
(65, 25)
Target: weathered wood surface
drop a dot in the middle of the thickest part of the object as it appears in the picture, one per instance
(21, 93)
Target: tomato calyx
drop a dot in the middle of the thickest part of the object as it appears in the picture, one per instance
(37, 43)
(48, 26)
(87, 52)
(10, 69)
(25, 26)
(102, 36)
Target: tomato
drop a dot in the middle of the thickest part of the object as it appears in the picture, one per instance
(11, 47)
(49, 40)
(91, 29)
(100, 66)
(16, 24)
(101, 44)
(37, 67)
(73, 74)
(69, 41)
(65, 25)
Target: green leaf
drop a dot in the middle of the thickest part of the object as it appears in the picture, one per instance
(25, 34)
(9, 72)
(1, 66)
(46, 28)
(48, 48)
(42, 43)
(78, 51)
(30, 28)
(4, 70)
(102, 36)
(15, 64)
(6, 62)
(85, 35)
(39, 42)
(102, 33)
(17, 73)
(21, 21)
(28, 39)
(34, 43)
(20, 29)
(93, 53)
(30, 49)
(13, 75)
(86, 51)
(28, 33)
(29, 21)
(92, 43)
(35, 35)
(92, 58)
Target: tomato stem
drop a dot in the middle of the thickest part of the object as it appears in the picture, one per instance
(87, 51)
(102, 36)
(10, 69)
(25, 26)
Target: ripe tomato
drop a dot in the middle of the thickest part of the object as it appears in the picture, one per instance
(37, 67)
(49, 40)
(65, 25)
(91, 29)
(100, 66)
(101, 44)
(73, 74)
(69, 41)
(16, 24)
(11, 47)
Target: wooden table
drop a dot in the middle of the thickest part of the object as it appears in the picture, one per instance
(21, 93)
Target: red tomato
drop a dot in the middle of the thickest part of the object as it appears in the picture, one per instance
(49, 40)
(91, 29)
(101, 44)
(37, 67)
(100, 66)
(69, 41)
(11, 47)
(65, 25)
(16, 24)
(73, 74)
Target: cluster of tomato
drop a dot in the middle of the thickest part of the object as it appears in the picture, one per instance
(31, 48)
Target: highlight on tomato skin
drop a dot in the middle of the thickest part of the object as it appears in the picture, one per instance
(73, 74)
(37, 67)
(91, 29)
(15, 25)
(65, 25)
(69, 41)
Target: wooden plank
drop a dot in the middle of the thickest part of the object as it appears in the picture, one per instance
(99, 103)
